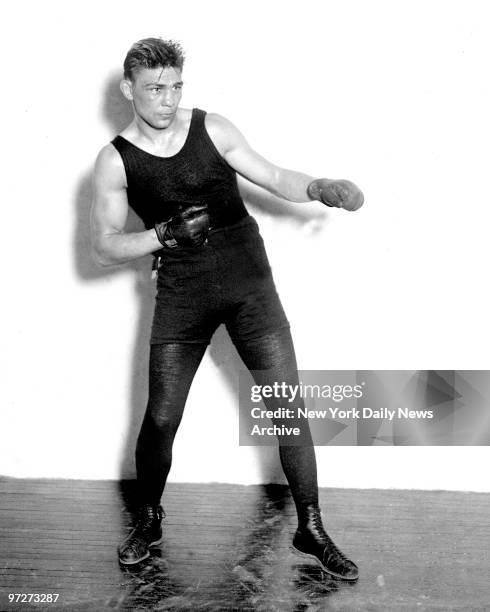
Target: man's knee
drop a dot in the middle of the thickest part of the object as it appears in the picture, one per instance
(164, 416)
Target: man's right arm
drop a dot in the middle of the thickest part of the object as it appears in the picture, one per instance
(111, 244)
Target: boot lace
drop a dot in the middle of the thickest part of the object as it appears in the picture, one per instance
(330, 548)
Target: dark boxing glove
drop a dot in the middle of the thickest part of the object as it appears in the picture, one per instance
(339, 194)
(189, 228)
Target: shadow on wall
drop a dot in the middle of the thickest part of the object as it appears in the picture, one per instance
(117, 113)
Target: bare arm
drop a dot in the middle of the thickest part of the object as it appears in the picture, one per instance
(232, 145)
(109, 214)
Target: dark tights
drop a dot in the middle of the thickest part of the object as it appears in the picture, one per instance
(172, 368)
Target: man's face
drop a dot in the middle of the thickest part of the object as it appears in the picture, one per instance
(156, 94)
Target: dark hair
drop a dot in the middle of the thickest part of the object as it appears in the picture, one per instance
(153, 53)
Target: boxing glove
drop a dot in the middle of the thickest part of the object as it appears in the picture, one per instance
(189, 228)
(339, 194)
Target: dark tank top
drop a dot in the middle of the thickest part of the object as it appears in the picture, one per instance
(159, 186)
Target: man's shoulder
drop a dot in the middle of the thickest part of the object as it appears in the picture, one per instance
(222, 132)
(109, 164)
(217, 122)
(108, 156)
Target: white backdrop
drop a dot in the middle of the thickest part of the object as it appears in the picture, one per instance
(393, 95)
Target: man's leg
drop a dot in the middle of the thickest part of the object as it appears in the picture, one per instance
(271, 358)
(172, 369)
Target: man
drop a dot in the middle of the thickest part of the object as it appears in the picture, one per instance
(177, 168)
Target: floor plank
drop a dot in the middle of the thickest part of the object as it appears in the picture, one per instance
(226, 547)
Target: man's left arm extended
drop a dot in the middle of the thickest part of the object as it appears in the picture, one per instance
(288, 184)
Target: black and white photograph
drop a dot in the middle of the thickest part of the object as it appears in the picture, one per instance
(244, 352)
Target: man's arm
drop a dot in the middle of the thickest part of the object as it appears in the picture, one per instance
(109, 214)
(287, 184)
(232, 145)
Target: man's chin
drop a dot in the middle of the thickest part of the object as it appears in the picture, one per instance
(160, 123)
(164, 120)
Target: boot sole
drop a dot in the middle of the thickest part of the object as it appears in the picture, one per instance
(155, 543)
(300, 553)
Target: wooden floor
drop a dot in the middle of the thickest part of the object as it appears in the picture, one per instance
(226, 547)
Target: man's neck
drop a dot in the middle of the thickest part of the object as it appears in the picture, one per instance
(166, 141)
(153, 136)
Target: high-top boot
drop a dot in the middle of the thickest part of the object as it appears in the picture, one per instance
(147, 532)
(312, 541)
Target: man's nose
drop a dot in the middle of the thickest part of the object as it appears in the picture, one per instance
(168, 97)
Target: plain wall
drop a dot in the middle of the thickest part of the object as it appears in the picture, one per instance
(393, 95)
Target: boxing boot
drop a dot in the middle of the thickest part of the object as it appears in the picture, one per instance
(147, 532)
(311, 540)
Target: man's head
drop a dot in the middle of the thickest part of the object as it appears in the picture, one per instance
(153, 53)
(153, 80)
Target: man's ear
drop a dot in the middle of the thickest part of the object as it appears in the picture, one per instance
(127, 89)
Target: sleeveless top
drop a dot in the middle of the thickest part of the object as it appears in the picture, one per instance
(159, 186)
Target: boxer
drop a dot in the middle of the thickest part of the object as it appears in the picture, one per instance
(177, 168)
